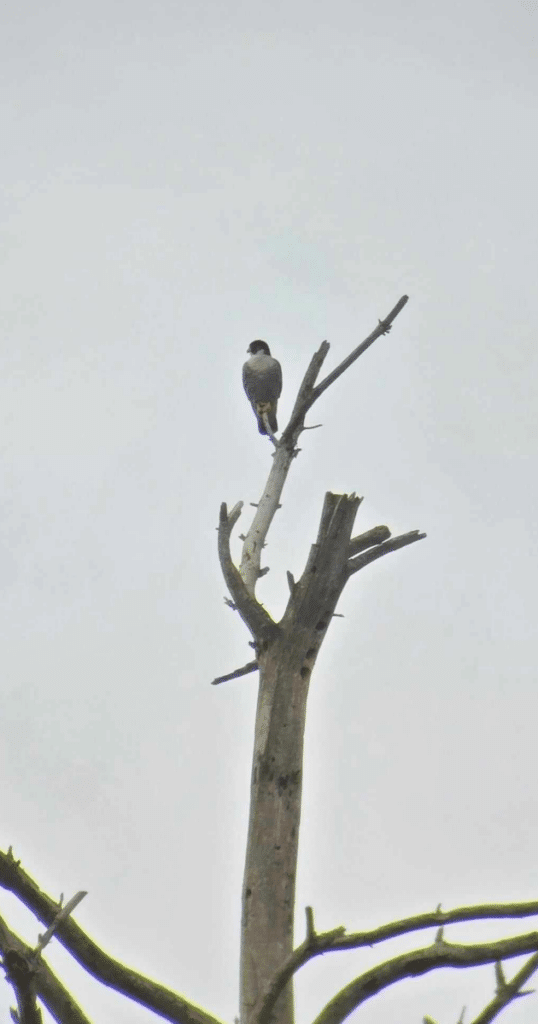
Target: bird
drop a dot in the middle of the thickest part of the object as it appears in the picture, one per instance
(262, 381)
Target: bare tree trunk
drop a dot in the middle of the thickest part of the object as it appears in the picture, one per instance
(275, 810)
(285, 668)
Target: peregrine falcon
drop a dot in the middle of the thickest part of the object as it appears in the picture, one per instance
(262, 381)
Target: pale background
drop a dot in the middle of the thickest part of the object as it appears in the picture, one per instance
(179, 179)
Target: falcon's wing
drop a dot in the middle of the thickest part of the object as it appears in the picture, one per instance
(278, 378)
(263, 385)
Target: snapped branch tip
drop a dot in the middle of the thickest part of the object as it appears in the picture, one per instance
(310, 929)
(243, 671)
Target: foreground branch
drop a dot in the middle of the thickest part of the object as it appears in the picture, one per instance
(318, 943)
(421, 961)
(24, 969)
(86, 952)
(438, 918)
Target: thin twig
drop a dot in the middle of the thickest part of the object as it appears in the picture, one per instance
(244, 671)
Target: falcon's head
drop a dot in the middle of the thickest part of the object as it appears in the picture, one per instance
(258, 346)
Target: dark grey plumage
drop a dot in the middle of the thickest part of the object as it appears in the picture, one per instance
(262, 381)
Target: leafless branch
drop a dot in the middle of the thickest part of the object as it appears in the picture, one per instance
(20, 973)
(259, 622)
(421, 961)
(23, 967)
(331, 941)
(507, 991)
(289, 436)
(86, 952)
(434, 919)
(308, 393)
(383, 327)
(244, 671)
(367, 540)
(393, 544)
(250, 569)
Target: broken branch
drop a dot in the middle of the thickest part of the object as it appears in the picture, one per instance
(254, 616)
(244, 671)
(393, 544)
(367, 540)
(85, 951)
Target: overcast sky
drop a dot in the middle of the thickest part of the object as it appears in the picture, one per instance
(179, 179)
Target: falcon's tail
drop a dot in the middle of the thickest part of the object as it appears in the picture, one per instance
(270, 411)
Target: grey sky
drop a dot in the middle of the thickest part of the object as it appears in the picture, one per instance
(179, 179)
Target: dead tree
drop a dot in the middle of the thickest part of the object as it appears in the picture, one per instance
(285, 655)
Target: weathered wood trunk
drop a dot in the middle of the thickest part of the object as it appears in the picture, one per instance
(276, 789)
(275, 811)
